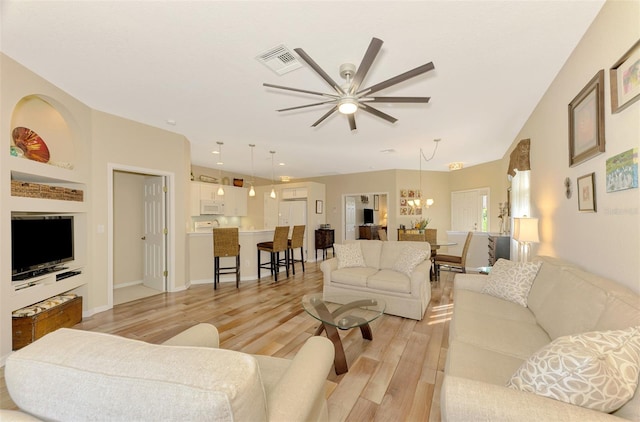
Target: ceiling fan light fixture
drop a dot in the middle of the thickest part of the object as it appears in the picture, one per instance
(347, 105)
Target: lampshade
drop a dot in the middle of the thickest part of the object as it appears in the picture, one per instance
(429, 202)
(220, 190)
(252, 191)
(347, 105)
(525, 229)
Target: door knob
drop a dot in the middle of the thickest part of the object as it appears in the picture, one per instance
(144, 238)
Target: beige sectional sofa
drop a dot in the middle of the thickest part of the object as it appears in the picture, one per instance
(86, 376)
(386, 273)
(490, 338)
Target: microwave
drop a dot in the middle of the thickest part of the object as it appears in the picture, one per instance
(208, 206)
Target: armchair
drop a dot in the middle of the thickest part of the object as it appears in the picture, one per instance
(80, 375)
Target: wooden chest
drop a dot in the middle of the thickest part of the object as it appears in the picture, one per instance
(27, 329)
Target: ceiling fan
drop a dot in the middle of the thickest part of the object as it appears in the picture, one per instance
(349, 97)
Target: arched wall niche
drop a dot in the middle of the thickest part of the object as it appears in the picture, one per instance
(53, 123)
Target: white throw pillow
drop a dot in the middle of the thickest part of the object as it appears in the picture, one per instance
(511, 280)
(597, 370)
(409, 258)
(349, 255)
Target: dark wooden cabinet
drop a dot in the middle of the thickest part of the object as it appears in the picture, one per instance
(369, 232)
(498, 248)
(325, 239)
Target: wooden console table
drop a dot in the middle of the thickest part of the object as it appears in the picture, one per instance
(325, 238)
(369, 232)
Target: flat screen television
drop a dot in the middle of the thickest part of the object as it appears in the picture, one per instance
(368, 216)
(39, 244)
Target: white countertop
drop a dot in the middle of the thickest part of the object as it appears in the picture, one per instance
(240, 232)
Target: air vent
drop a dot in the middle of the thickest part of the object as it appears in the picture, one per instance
(279, 59)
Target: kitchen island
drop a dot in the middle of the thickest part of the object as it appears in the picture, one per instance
(200, 256)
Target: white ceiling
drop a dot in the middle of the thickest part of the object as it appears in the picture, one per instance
(193, 62)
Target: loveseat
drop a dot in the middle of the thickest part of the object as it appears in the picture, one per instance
(79, 375)
(396, 272)
(515, 362)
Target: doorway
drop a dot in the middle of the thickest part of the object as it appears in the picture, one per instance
(470, 210)
(353, 214)
(139, 233)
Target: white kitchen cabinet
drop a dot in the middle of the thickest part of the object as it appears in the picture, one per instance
(295, 193)
(235, 201)
(234, 198)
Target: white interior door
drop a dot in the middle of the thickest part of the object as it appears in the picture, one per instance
(349, 218)
(467, 210)
(155, 233)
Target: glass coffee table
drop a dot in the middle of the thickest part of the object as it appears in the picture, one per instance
(343, 312)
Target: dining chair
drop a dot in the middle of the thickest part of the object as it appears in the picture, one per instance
(296, 241)
(382, 234)
(454, 262)
(225, 245)
(279, 244)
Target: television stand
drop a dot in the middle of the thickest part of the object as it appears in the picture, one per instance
(67, 274)
(37, 273)
(369, 232)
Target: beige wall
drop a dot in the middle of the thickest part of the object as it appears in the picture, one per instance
(492, 175)
(123, 142)
(17, 85)
(605, 242)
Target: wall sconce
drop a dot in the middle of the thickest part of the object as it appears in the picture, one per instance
(525, 231)
(429, 202)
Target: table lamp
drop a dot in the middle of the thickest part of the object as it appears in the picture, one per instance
(525, 231)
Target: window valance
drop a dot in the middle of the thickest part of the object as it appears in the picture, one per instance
(519, 158)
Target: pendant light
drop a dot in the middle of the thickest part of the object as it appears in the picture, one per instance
(418, 202)
(273, 190)
(252, 191)
(220, 190)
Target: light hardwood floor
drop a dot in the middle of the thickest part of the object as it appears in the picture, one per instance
(395, 377)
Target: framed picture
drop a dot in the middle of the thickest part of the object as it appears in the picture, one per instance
(587, 193)
(376, 202)
(622, 171)
(586, 122)
(319, 206)
(624, 77)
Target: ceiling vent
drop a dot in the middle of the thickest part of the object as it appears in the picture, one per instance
(279, 59)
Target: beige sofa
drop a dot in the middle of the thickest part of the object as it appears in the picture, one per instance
(490, 338)
(80, 375)
(405, 295)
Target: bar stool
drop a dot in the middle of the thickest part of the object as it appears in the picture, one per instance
(296, 241)
(225, 244)
(280, 244)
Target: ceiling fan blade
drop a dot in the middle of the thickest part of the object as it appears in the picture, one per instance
(318, 70)
(396, 99)
(299, 90)
(306, 105)
(378, 113)
(397, 79)
(352, 122)
(365, 65)
(327, 114)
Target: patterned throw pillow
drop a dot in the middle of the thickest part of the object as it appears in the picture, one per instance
(349, 255)
(409, 258)
(511, 281)
(596, 370)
